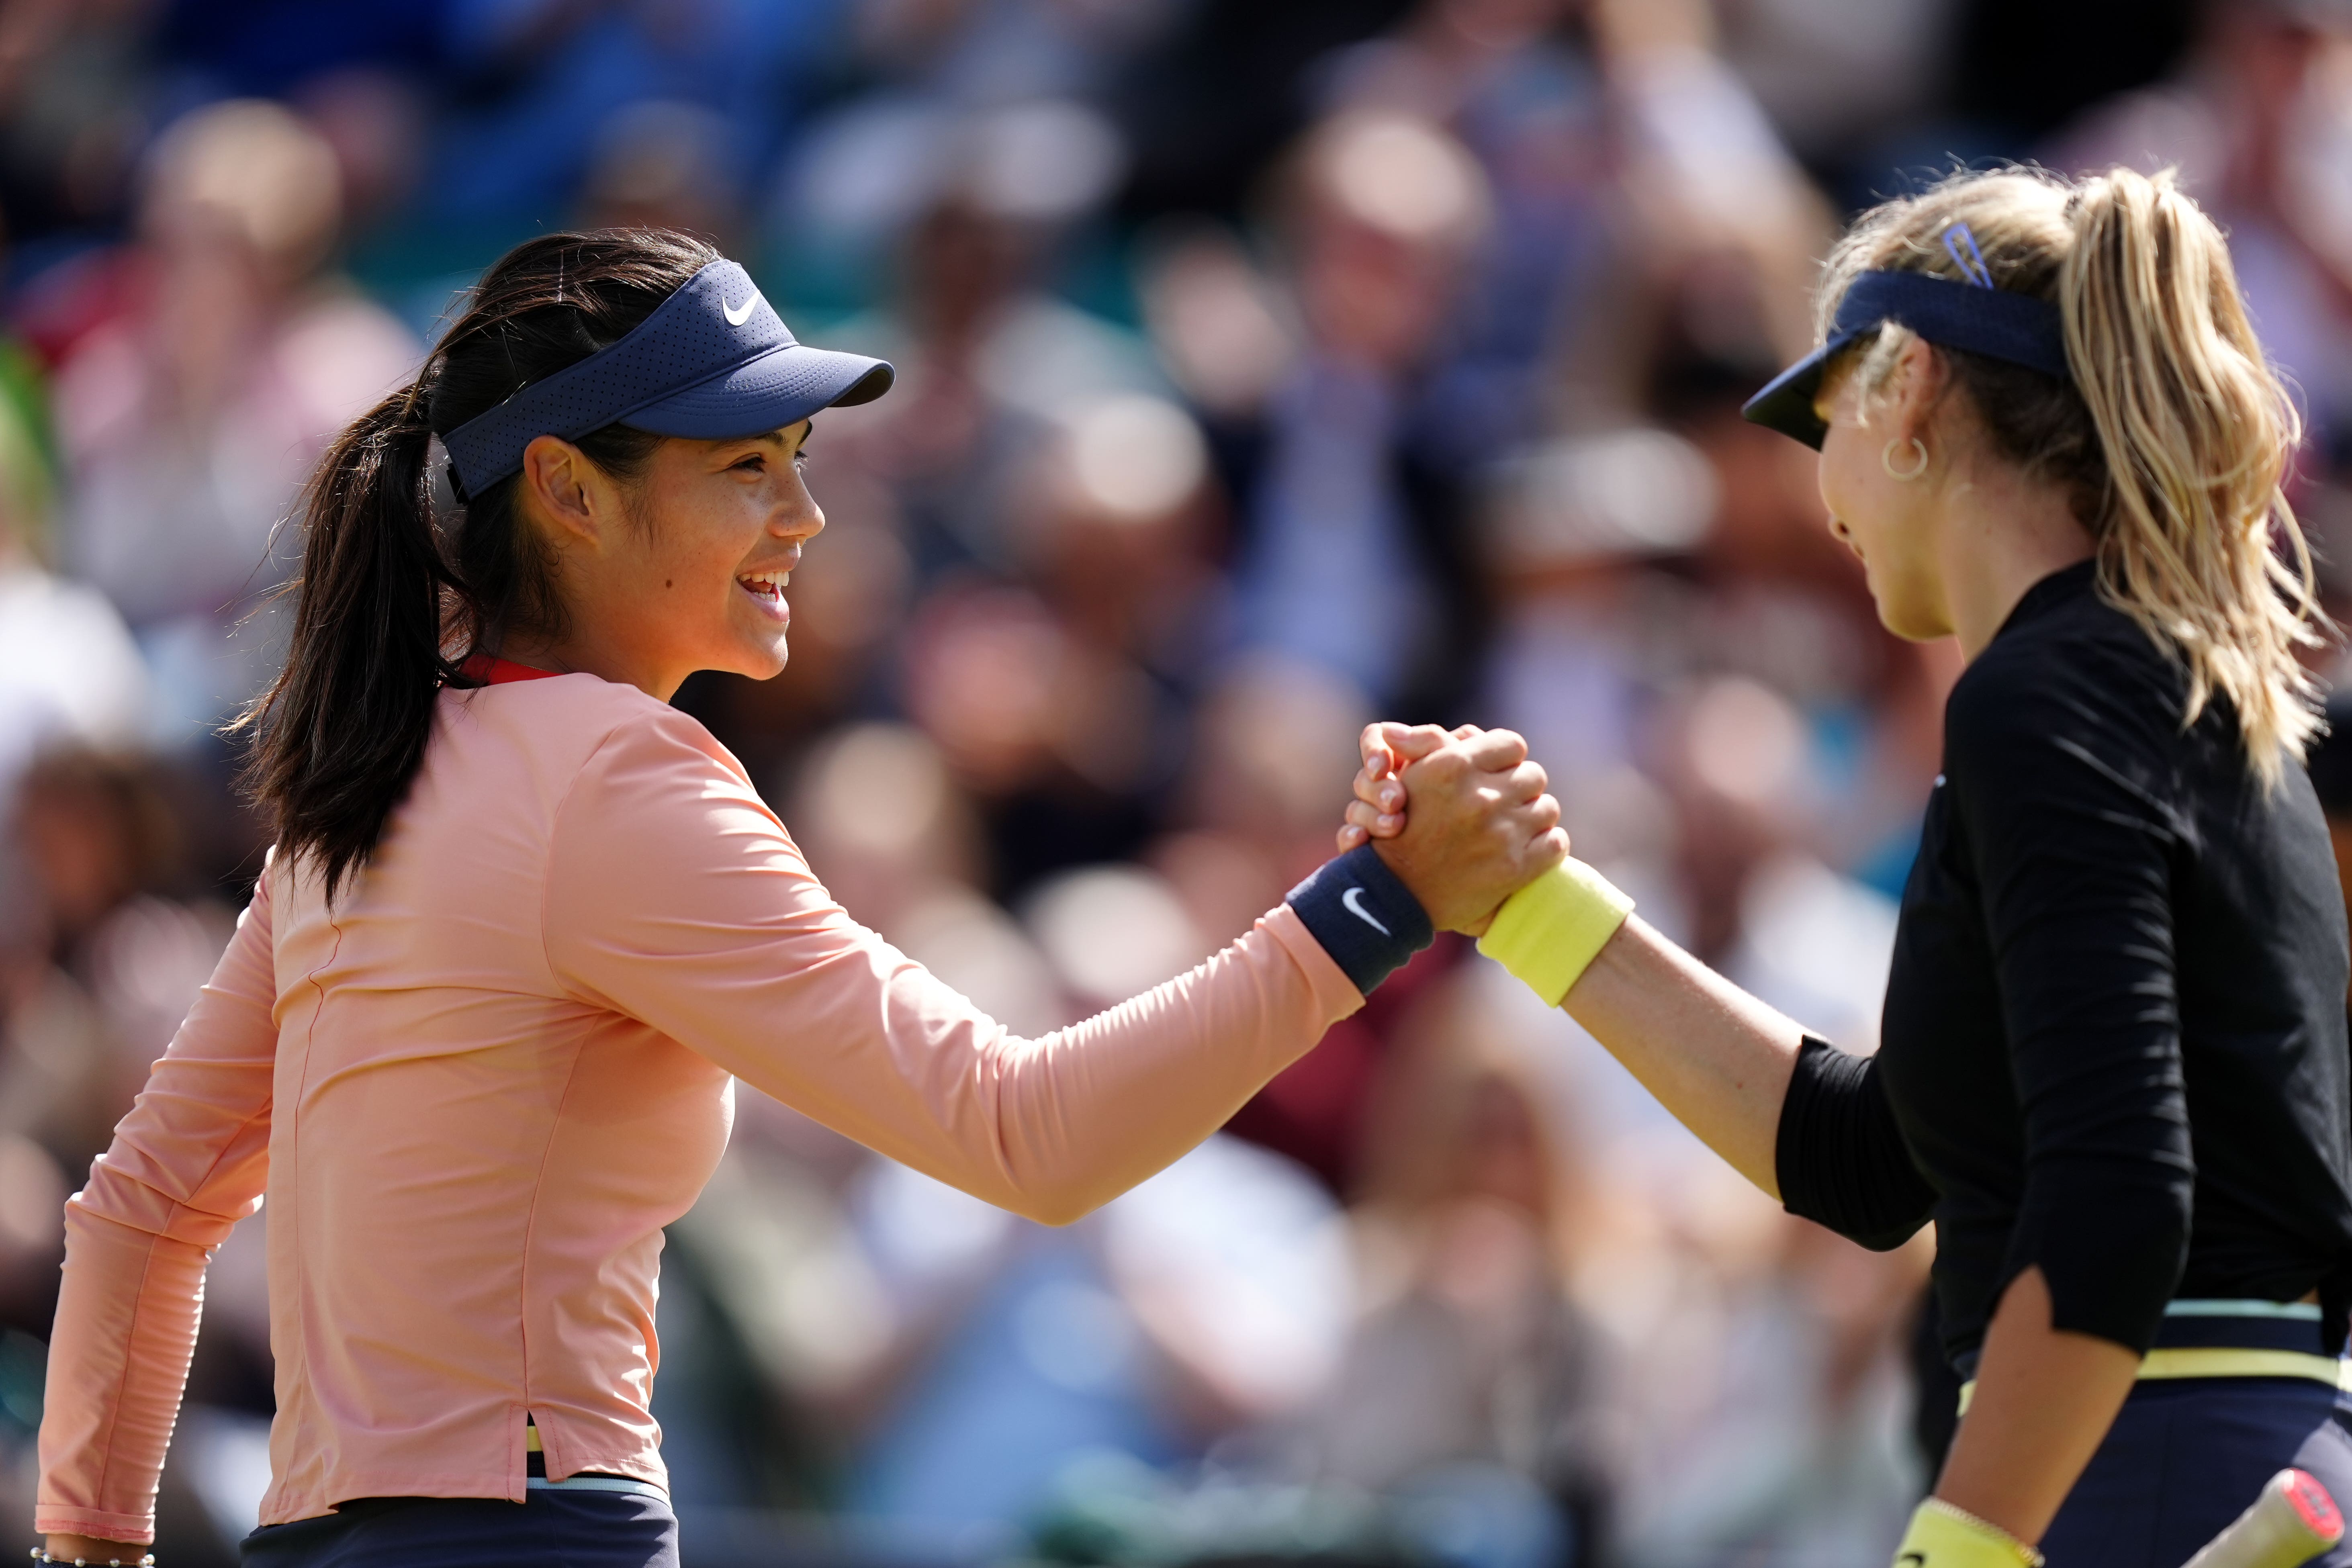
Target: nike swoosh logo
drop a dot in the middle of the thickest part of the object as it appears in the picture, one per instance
(1353, 898)
(1919, 1557)
(736, 318)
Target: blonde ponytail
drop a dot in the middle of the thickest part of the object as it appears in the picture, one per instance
(2200, 545)
(2173, 435)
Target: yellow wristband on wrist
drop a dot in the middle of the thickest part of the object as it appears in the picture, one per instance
(1942, 1536)
(1549, 931)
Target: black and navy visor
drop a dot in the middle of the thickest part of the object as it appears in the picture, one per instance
(712, 362)
(1977, 317)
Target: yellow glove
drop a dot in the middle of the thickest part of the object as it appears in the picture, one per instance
(1942, 1536)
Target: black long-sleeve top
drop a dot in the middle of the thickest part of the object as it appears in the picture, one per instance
(2115, 1040)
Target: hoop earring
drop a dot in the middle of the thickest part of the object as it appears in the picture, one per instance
(1886, 461)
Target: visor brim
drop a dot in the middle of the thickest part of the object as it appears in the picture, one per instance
(781, 387)
(1786, 404)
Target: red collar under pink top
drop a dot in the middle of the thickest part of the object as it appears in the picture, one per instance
(477, 1085)
(491, 670)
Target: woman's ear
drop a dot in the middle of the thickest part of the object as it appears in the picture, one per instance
(1914, 388)
(562, 491)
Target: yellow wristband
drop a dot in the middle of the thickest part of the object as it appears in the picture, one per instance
(1942, 1536)
(1547, 932)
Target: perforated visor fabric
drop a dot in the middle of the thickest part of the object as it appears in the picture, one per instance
(713, 361)
(773, 390)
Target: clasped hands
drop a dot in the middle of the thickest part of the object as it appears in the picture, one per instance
(1483, 824)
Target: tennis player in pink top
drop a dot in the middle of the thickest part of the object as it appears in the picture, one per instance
(477, 1034)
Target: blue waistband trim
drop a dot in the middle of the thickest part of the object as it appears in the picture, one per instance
(597, 1484)
(2305, 1312)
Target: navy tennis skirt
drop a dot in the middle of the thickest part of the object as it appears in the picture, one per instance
(2187, 1455)
(555, 1529)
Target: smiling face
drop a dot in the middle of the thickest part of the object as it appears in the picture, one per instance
(680, 570)
(1884, 521)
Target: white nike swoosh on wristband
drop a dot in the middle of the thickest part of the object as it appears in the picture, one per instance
(1353, 898)
(736, 318)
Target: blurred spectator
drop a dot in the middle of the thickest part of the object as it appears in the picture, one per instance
(1213, 1295)
(1219, 96)
(1224, 332)
(1842, 75)
(1470, 1374)
(1351, 557)
(201, 371)
(661, 163)
(887, 826)
(2258, 120)
(74, 77)
(1523, 92)
(1055, 742)
(111, 952)
(99, 959)
(1060, 706)
(1787, 1441)
(1754, 891)
(543, 76)
(988, 358)
(976, 53)
(68, 670)
(1587, 633)
(375, 121)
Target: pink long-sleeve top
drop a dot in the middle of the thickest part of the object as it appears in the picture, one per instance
(477, 1088)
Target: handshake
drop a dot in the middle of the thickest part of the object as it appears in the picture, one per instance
(1481, 826)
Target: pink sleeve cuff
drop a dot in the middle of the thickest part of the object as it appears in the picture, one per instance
(130, 1529)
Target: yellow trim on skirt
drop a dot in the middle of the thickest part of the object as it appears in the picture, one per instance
(2220, 1362)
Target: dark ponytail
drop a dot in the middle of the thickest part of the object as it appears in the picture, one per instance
(390, 604)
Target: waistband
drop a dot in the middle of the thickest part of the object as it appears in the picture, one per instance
(535, 1479)
(2233, 1339)
(584, 1483)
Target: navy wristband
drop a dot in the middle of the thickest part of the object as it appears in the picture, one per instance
(1366, 919)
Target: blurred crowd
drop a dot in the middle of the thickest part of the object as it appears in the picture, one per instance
(1263, 369)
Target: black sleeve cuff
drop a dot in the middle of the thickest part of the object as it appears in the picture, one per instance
(2111, 1238)
(1839, 1156)
(1366, 919)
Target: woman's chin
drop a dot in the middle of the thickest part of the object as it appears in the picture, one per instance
(755, 658)
(1910, 623)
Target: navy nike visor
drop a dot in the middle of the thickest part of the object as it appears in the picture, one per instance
(713, 361)
(2017, 328)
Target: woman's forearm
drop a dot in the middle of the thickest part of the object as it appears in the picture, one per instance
(1712, 1054)
(1721, 1061)
(2044, 1400)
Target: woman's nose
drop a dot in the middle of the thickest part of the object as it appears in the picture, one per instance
(799, 517)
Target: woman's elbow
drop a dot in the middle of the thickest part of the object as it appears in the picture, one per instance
(1056, 1206)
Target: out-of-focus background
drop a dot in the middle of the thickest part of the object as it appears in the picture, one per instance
(1264, 366)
